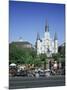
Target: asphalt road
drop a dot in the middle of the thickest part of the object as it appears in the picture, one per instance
(29, 82)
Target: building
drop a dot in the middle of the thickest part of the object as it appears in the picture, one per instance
(46, 44)
(22, 44)
(61, 49)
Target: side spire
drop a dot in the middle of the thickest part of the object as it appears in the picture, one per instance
(55, 36)
(38, 36)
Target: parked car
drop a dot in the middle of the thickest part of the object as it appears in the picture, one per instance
(21, 72)
(12, 70)
(40, 72)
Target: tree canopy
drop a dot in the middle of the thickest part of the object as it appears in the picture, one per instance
(21, 55)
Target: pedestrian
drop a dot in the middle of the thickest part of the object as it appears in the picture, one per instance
(55, 66)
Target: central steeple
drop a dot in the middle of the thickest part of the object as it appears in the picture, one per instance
(46, 33)
(46, 27)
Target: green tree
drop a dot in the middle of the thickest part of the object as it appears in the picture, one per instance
(21, 55)
(61, 50)
(43, 58)
(56, 56)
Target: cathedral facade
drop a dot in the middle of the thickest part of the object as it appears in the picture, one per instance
(46, 44)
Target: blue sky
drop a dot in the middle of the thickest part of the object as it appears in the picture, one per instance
(26, 19)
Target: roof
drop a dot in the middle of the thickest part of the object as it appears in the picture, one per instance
(23, 42)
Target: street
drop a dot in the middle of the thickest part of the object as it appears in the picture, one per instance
(29, 82)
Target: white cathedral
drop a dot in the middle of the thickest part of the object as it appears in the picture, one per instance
(46, 44)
